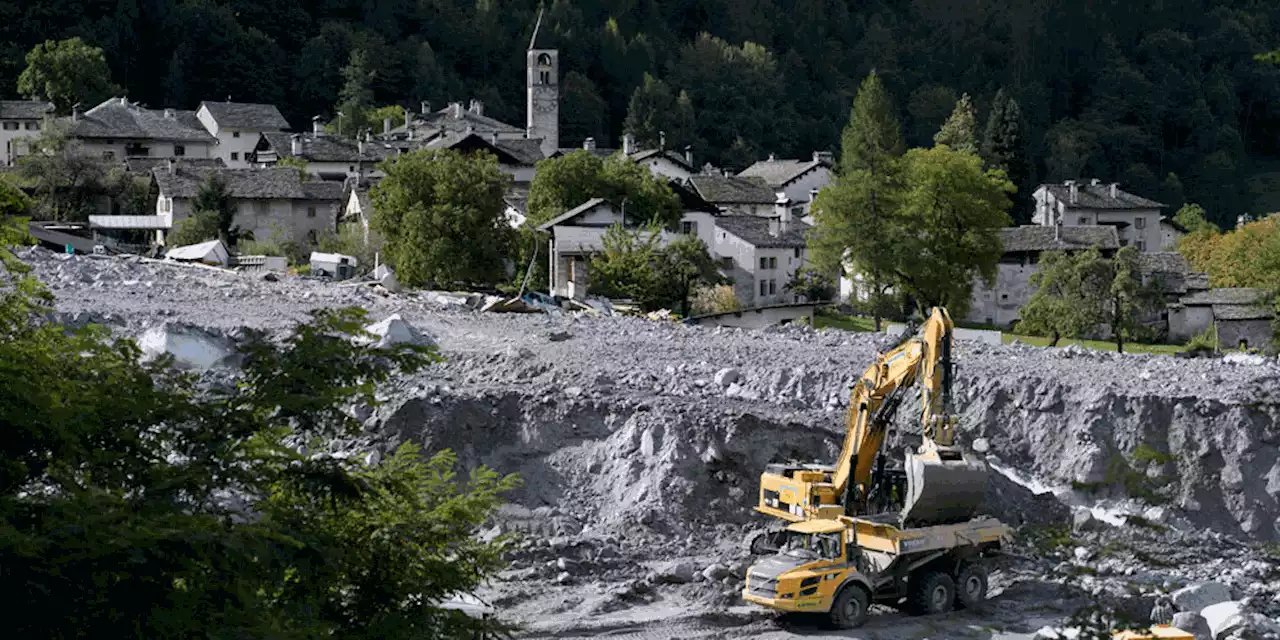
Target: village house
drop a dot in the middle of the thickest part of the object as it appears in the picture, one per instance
(118, 129)
(736, 195)
(801, 180)
(1072, 204)
(426, 125)
(328, 157)
(699, 217)
(662, 163)
(19, 121)
(1000, 304)
(575, 235)
(238, 126)
(761, 254)
(1170, 233)
(271, 204)
(1239, 317)
(516, 157)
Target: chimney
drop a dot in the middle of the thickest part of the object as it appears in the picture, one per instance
(75, 112)
(589, 144)
(386, 126)
(470, 129)
(775, 226)
(168, 113)
(782, 209)
(295, 145)
(316, 127)
(360, 146)
(493, 138)
(662, 140)
(813, 195)
(172, 166)
(476, 107)
(1074, 190)
(771, 158)
(724, 172)
(628, 144)
(408, 118)
(456, 108)
(424, 106)
(688, 155)
(1095, 182)
(124, 101)
(1115, 189)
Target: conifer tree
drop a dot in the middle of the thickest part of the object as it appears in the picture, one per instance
(960, 131)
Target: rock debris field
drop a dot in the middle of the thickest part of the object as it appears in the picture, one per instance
(641, 442)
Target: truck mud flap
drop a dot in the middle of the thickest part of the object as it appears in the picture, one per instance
(943, 489)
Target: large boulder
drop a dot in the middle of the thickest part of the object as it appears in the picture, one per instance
(191, 347)
(396, 330)
(1192, 623)
(1223, 618)
(1196, 597)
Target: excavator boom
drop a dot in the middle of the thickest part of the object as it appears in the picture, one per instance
(943, 484)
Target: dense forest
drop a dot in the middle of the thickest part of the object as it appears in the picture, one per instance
(1164, 97)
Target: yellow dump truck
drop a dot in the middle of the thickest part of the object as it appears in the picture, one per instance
(840, 566)
(1157, 632)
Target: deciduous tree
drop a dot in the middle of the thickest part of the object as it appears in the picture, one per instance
(67, 72)
(635, 265)
(960, 131)
(574, 178)
(1063, 304)
(65, 182)
(195, 510)
(442, 216)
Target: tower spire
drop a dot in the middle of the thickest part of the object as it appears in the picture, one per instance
(533, 40)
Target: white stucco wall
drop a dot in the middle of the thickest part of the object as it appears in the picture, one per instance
(15, 140)
(1001, 304)
(1186, 322)
(704, 226)
(799, 190)
(1169, 237)
(744, 268)
(155, 148)
(660, 166)
(1150, 235)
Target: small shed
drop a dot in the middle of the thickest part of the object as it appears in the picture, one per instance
(212, 252)
(333, 265)
(1242, 325)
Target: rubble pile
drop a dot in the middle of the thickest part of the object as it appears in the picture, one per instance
(640, 443)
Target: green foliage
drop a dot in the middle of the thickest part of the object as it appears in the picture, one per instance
(13, 202)
(261, 248)
(214, 199)
(1146, 453)
(714, 299)
(1192, 218)
(356, 97)
(294, 161)
(1003, 147)
(654, 108)
(66, 184)
(193, 229)
(1206, 340)
(1075, 293)
(960, 131)
(634, 265)
(191, 510)
(812, 283)
(567, 181)
(67, 72)
(873, 137)
(441, 214)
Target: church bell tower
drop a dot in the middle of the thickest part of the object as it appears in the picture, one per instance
(542, 110)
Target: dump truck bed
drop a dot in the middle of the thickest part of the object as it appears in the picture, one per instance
(889, 538)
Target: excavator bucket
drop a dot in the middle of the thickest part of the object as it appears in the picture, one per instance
(944, 485)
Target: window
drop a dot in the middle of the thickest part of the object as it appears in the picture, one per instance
(1140, 223)
(544, 77)
(1142, 245)
(688, 227)
(1084, 220)
(764, 262)
(773, 262)
(235, 155)
(108, 155)
(797, 252)
(10, 126)
(764, 287)
(235, 134)
(33, 126)
(351, 169)
(311, 212)
(773, 287)
(179, 150)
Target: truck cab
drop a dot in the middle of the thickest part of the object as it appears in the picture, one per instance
(841, 566)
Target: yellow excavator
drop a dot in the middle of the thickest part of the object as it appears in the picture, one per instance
(938, 483)
(859, 532)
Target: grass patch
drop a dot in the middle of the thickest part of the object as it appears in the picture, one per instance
(1097, 345)
(1147, 453)
(845, 323)
(1046, 539)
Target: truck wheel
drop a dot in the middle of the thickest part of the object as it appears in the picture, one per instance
(971, 585)
(849, 610)
(931, 592)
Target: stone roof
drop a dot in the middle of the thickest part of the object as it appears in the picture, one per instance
(246, 115)
(754, 230)
(689, 199)
(323, 190)
(520, 152)
(1225, 296)
(572, 213)
(248, 184)
(1241, 312)
(325, 148)
(1030, 238)
(24, 109)
(119, 118)
(147, 165)
(1090, 196)
(1163, 262)
(454, 118)
(779, 173)
(733, 189)
(645, 154)
(1197, 281)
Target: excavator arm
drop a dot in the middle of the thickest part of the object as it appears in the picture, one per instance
(943, 483)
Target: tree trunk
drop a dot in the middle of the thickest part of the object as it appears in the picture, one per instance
(1056, 337)
(1115, 325)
